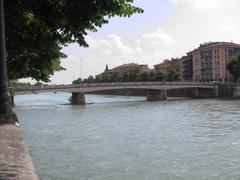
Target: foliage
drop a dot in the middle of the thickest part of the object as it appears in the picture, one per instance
(39, 84)
(233, 66)
(36, 31)
(134, 76)
(91, 79)
(77, 81)
(172, 75)
(17, 84)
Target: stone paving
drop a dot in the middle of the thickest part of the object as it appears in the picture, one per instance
(15, 160)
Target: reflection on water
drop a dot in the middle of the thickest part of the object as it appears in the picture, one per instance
(128, 138)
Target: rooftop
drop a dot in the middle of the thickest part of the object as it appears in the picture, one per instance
(215, 44)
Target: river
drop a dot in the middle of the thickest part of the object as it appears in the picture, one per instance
(128, 138)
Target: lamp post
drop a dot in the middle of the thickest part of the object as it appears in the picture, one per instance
(81, 69)
(73, 71)
(6, 113)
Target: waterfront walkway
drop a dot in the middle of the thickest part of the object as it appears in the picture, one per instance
(15, 160)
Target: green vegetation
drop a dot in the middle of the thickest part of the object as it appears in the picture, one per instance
(36, 31)
(17, 84)
(132, 76)
(233, 66)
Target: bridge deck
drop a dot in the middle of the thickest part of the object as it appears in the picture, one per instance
(91, 87)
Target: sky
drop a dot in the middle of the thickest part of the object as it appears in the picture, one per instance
(166, 29)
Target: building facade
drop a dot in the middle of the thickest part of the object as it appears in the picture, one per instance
(187, 67)
(130, 67)
(124, 68)
(174, 63)
(210, 59)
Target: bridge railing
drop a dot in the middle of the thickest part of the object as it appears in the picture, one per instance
(116, 84)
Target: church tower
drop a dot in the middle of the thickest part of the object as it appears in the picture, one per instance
(106, 69)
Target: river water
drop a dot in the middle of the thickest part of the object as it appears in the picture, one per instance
(128, 138)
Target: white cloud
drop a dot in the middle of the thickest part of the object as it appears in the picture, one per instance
(199, 3)
(192, 22)
(229, 29)
(158, 36)
(139, 50)
(91, 42)
(149, 48)
(206, 4)
(116, 43)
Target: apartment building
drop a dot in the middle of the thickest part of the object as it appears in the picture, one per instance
(130, 67)
(174, 63)
(210, 59)
(124, 68)
(187, 67)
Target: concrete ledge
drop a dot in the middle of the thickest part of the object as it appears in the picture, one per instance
(15, 160)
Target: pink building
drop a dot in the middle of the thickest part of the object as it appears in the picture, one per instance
(210, 59)
(187, 67)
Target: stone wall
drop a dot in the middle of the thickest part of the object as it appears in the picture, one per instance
(226, 90)
(236, 93)
(15, 160)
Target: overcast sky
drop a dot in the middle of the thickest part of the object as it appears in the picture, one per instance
(167, 28)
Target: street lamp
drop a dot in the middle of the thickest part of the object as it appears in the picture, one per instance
(73, 71)
(6, 113)
(81, 69)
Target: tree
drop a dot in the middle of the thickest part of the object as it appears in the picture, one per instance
(172, 75)
(98, 78)
(135, 74)
(233, 66)
(144, 76)
(36, 31)
(17, 84)
(90, 79)
(77, 81)
(159, 75)
(152, 76)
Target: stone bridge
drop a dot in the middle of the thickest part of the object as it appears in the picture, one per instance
(156, 91)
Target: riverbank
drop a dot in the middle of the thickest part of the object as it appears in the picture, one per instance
(15, 160)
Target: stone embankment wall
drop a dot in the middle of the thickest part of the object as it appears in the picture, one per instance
(226, 90)
(230, 90)
(15, 160)
(236, 94)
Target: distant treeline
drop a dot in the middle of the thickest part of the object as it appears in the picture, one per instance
(132, 76)
(17, 84)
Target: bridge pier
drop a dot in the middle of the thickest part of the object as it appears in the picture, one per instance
(156, 95)
(78, 98)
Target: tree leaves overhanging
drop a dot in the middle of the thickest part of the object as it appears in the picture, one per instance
(36, 31)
